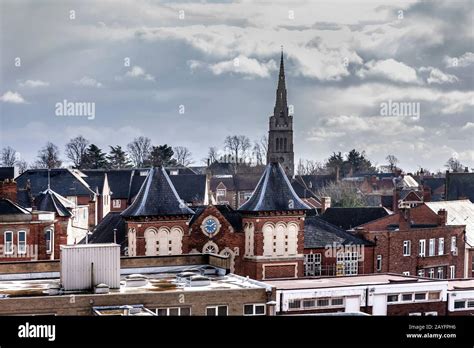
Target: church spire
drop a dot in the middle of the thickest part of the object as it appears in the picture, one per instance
(281, 107)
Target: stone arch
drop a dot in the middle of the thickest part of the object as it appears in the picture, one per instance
(268, 231)
(293, 230)
(151, 238)
(210, 248)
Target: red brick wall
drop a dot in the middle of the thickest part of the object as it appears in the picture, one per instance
(8, 190)
(279, 271)
(406, 309)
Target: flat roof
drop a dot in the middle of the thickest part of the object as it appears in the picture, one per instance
(156, 281)
(342, 281)
(92, 245)
(461, 284)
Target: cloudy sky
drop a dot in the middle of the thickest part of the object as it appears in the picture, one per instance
(343, 61)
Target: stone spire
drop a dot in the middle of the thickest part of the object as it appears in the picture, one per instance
(281, 107)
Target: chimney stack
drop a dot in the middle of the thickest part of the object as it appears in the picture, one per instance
(8, 189)
(325, 203)
(442, 217)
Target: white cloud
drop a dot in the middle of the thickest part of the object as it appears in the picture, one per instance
(465, 60)
(139, 72)
(12, 97)
(469, 126)
(87, 81)
(437, 76)
(33, 83)
(389, 69)
(250, 67)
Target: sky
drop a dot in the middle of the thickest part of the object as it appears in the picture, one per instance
(189, 73)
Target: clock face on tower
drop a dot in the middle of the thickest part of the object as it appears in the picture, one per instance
(210, 226)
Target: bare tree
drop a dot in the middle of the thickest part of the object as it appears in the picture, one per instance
(212, 155)
(8, 156)
(310, 167)
(48, 157)
(139, 150)
(454, 165)
(183, 156)
(392, 162)
(260, 149)
(76, 150)
(238, 145)
(22, 166)
(343, 194)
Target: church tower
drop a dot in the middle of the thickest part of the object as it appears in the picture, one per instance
(280, 134)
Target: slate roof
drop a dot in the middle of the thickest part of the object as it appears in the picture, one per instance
(319, 233)
(104, 231)
(190, 187)
(347, 218)
(51, 201)
(7, 207)
(460, 186)
(314, 182)
(231, 215)
(95, 179)
(273, 193)
(65, 182)
(157, 197)
(7, 173)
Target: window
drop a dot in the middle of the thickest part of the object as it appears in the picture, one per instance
(431, 273)
(48, 236)
(415, 314)
(174, 311)
(312, 264)
(431, 314)
(254, 309)
(422, 247)
(323, 302)
(294, 304)
(116, 203)
(431, 251)
(459, 304)
(337, 302)
(441, 246)
(392, 298)
(452, 272)
(347, 263)
(407, 297)
(308, 303)
(216, 310)
(8, 242)
(434, 295)
(21, 242)
(440, 273)
(470, 304)
(421, 273)
(221, 193)
(379, 263)
(406, 248)
(421, 296)
(407, 273)
(453, 244)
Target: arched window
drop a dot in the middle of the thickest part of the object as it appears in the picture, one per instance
(210, 248)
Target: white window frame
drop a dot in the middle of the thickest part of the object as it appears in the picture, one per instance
(431, 273)
(49, 246)
(453, 243)
(216, 308)
(221, 193)
(421, 273)
(452, 271)
(378, 263)
(116, 203)
(22, 246)
(253, 309)
(440, 273)
(406, 248)
(312, 264)
(432, 247)
(8, 245)
(422, 248)
(406, 273)
(440, 246)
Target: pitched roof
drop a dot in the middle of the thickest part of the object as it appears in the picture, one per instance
(7, 207)
(347, 218)
(273, 193)
(104, 231)
(157, 197)
(319, 233)
(190, 187)
(231, 215)
(52, 201)
(460, 212)
(65, 182)
(460, 186)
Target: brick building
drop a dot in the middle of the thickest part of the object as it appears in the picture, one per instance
(420, 241)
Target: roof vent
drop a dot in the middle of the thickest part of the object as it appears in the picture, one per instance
(198, 280)
(136, 280)
(101, 289)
